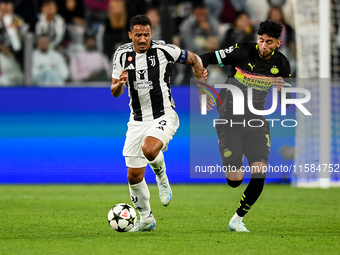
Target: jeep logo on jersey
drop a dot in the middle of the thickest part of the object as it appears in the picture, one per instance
(152, 60)
(141, 74)
(141, 85)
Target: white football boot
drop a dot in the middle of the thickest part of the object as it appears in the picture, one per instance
(165, 193)
(141, 226)
(237, 226)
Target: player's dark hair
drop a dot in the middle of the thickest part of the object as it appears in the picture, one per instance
(270, 27)
(140, 20)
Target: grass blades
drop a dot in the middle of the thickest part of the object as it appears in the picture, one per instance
(72, 219)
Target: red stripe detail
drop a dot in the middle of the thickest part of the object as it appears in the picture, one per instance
(213, 90)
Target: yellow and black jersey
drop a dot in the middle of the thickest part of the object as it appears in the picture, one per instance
(249, 70)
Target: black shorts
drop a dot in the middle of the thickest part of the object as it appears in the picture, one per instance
(236, 141)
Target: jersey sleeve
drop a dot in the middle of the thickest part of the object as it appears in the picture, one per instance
(285, 73)
(117, 68)
(231, 55)
(173, 53)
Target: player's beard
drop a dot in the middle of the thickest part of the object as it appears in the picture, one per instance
(264, 54)
(144, 49)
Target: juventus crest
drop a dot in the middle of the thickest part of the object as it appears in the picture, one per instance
(152, 60)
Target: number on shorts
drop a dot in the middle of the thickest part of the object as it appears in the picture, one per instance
(161, 123)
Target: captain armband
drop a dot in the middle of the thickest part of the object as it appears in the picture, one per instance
(183, 57)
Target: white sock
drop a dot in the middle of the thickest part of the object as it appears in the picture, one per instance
(140, 197)
(236, 217)
(158, 165)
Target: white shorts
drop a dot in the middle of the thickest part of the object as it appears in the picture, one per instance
(162, 128)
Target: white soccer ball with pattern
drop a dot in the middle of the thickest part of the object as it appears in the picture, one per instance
(122, 217)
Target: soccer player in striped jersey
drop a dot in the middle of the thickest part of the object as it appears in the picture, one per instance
(143, 67)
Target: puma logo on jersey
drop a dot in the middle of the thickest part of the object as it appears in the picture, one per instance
(252, 67)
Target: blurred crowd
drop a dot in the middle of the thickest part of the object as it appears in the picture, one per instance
(74, 40)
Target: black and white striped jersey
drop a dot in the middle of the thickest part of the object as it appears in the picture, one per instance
(149, 77)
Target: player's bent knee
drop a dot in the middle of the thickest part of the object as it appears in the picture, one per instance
(234, 183)
(149, 152)
(151, 147)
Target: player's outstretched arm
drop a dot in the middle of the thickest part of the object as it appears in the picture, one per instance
(200, 74)
(117, 86)
(196, 63)
(280, 83)
(209, 58)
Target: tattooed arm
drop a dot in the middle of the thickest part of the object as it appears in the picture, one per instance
(200, 74)
(196, 63)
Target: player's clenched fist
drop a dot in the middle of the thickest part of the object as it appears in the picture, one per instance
(117, 86)
(279, 82)
(123, 77)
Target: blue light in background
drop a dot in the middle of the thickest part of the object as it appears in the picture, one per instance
(76, 135)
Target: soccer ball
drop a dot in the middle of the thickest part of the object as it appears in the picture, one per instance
(122, 217)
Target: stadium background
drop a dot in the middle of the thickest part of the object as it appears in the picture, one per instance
(76, 135)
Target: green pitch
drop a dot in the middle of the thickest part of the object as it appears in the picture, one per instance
(72, 220)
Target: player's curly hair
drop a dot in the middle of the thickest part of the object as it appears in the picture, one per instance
(140, 20)
(272, 28)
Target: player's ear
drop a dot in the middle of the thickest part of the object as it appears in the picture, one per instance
(130, 35)
(278, 43)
